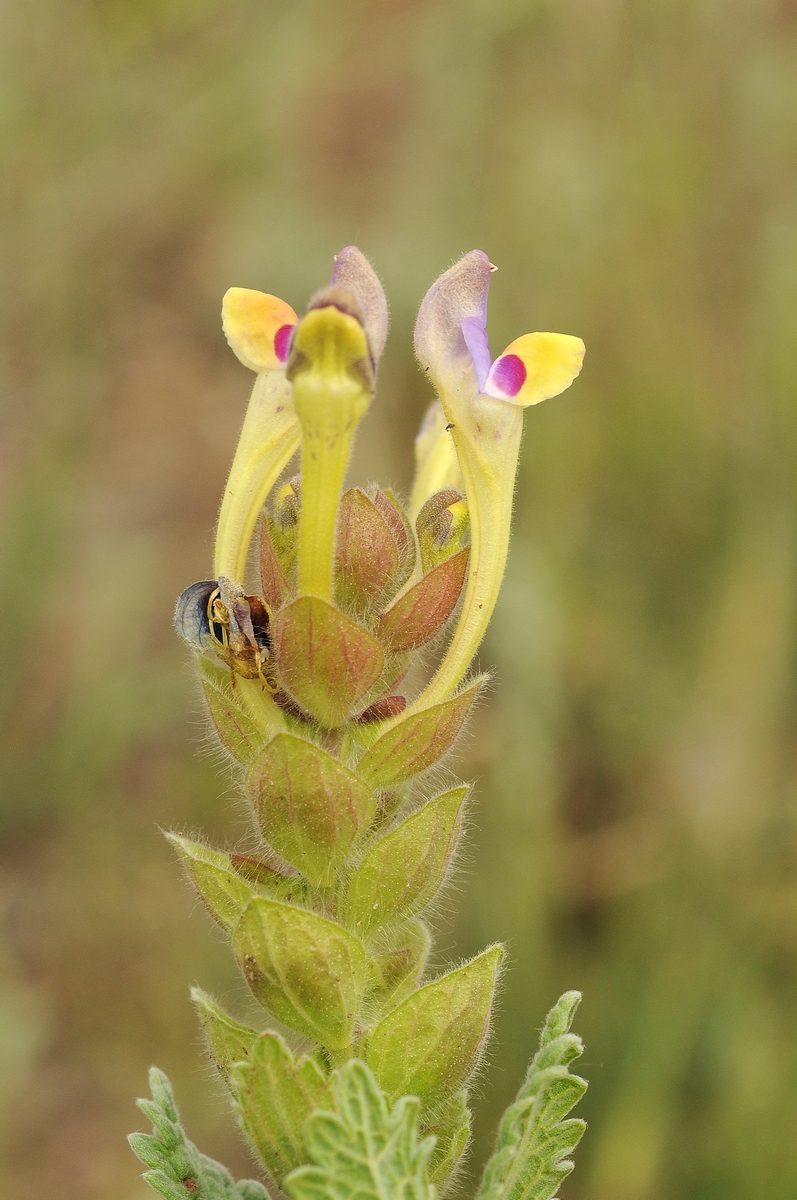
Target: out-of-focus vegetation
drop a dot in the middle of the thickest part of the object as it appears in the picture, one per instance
(631, 166)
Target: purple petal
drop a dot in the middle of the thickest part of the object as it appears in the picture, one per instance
(352, 270)
(457, 295)
(475, 336)
(507, 376)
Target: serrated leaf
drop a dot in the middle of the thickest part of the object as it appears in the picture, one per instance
(364, 1151)
(228, 1041)
(402, 872)
(308, 972)
(530, 1160)
(417, 741)
(232, 722)
(327, 662)
(274, 1094)
(420, 612)
(311, 808)
(429, 1045)
(178, 1170)
(450, 1126)
(224, 891)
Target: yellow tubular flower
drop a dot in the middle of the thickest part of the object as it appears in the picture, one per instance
(332, 375)
(259, 328)
(483, 404)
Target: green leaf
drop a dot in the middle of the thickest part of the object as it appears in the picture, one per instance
(397, 972)
(224, 891)
(365, 1151)
(450, 1127)
(177, 1170)
(429, 1045)
(402, 872)
(366, 551)
(417, 741)
(308, 972)
(311, 808)
(530, 1159)
(228, 1041)
(327, 662)
(392, 510)
(420, 612)
(276, 589)
(236, 728)
(274, 1094)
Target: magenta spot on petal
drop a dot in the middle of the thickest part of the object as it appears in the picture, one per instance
(282, 341)
(509, 374)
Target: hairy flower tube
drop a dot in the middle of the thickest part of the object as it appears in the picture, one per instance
(356, 1077)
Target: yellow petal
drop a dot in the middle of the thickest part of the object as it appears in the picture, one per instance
(535, 367)
(258, 328)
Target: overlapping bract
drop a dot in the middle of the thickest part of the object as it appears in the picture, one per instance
(302, 675)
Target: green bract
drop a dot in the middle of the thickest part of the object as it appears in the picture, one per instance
(362, 1091)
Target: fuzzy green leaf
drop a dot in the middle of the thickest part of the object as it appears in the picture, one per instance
(308, 972)
(365, 1151)
(417, 741)
(402, 872)
(366, 551)
(429, 1045)
(274, 1094)
(530, 1159)
(327, 662)
(420, 612)
(228, 1041)
(311, 808)
(397, 972)
(224, 891)
(177, 1170)
(240, 734)
(450, 1127)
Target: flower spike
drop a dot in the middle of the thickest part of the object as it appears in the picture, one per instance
(259, 329)
(483, 401)
(350, 841)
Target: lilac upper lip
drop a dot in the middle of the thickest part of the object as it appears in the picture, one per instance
(475, 335)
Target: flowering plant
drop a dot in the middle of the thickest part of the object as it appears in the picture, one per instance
(361, 1085)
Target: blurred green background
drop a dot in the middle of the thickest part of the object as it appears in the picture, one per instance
(631, 166)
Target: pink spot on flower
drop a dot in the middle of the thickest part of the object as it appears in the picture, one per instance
(508, 374)
(282, 341)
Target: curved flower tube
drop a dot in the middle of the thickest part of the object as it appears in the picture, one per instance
(483, 402)
(332, 375)
(259, 329)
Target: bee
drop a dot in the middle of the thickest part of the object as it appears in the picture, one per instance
(214, 614)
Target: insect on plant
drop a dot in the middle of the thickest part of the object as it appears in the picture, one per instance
(354, 1076)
